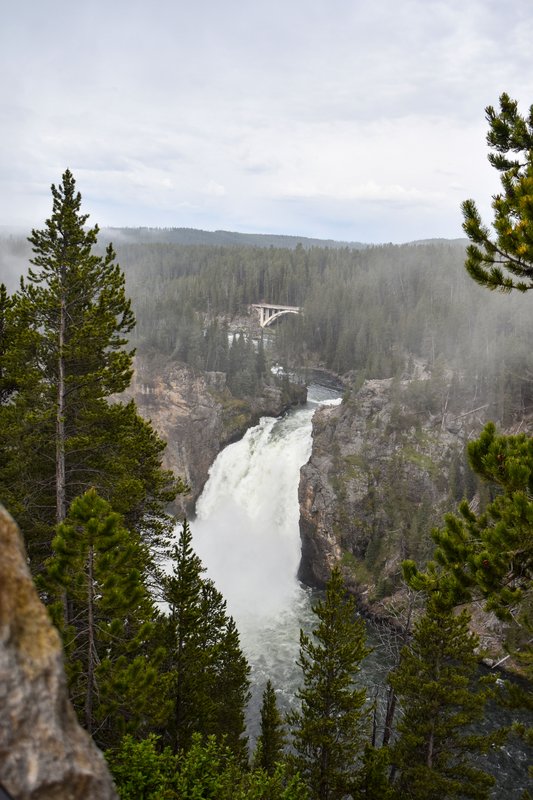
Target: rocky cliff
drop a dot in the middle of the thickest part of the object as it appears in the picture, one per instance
(379, 477)
(44, 753)
(385, 466)
(197, 416)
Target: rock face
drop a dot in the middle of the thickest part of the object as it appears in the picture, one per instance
(196, 415)
(44, 753)
(383, 471)
(378, 479)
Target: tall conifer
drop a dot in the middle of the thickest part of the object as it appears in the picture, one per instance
(442, 696)
(208, 675)
(80, 308)
(61, 430)
(111, 663)
(329, 729)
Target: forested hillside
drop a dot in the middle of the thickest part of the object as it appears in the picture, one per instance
(365, 310)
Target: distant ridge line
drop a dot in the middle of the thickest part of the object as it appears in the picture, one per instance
(193, 236)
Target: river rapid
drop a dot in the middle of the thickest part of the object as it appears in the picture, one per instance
(246, 532)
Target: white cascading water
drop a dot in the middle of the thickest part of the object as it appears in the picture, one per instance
(246, 533)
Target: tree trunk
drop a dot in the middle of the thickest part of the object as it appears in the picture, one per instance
(91, 647)
(61, 509)
(389, 717)
(60, 420)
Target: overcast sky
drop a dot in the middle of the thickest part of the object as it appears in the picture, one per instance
(358, 120)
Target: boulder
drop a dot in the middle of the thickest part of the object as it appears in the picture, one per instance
(44, 753)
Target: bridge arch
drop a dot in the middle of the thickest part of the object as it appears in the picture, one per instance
(269, 313)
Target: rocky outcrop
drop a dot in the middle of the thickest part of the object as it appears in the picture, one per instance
(197, 416)
(385, 466)
(44, 753)
(378, 479)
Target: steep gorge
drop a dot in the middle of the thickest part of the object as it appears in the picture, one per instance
(196, 414)
(385, 466)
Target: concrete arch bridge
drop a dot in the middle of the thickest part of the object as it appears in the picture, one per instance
(269, 313)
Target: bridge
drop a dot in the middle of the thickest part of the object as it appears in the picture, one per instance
(269, 313)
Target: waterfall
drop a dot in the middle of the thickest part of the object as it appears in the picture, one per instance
(246, 532)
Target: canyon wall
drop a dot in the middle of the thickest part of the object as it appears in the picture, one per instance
(195, 413)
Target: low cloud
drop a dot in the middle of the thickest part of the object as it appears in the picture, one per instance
(232, 116)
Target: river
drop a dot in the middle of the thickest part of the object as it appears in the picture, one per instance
(246, 532)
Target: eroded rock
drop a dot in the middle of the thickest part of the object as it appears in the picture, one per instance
(194, 412)
(377, 480)
(44, 753)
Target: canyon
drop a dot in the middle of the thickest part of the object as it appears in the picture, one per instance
(386, 465)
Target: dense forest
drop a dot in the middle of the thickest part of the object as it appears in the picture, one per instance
(81, 472)
(366, 311)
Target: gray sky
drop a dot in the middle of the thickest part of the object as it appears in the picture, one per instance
(348, 119)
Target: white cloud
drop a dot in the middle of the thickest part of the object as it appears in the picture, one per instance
(296, 116)
(215, 189)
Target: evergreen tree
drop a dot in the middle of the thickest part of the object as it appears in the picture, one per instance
(490, 554)
(271, 740)
(186, 667)
(441, 696)
(207, 672)
(505, 261)
(81, 311)
(494, 552)
(58, 425)
(227, 675)
(329, 729)
(112, 667)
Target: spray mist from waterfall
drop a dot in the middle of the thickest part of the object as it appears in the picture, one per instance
(246, 533)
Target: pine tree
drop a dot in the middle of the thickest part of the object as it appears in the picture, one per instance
(112, 665)
(60, 426)
(329, 729)
(186, 667)
(494, 553)
(207, 672)
(271, 740)
(488, 556)
(228, 674)
(442, 696)
(81, 310)
(505, 261)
